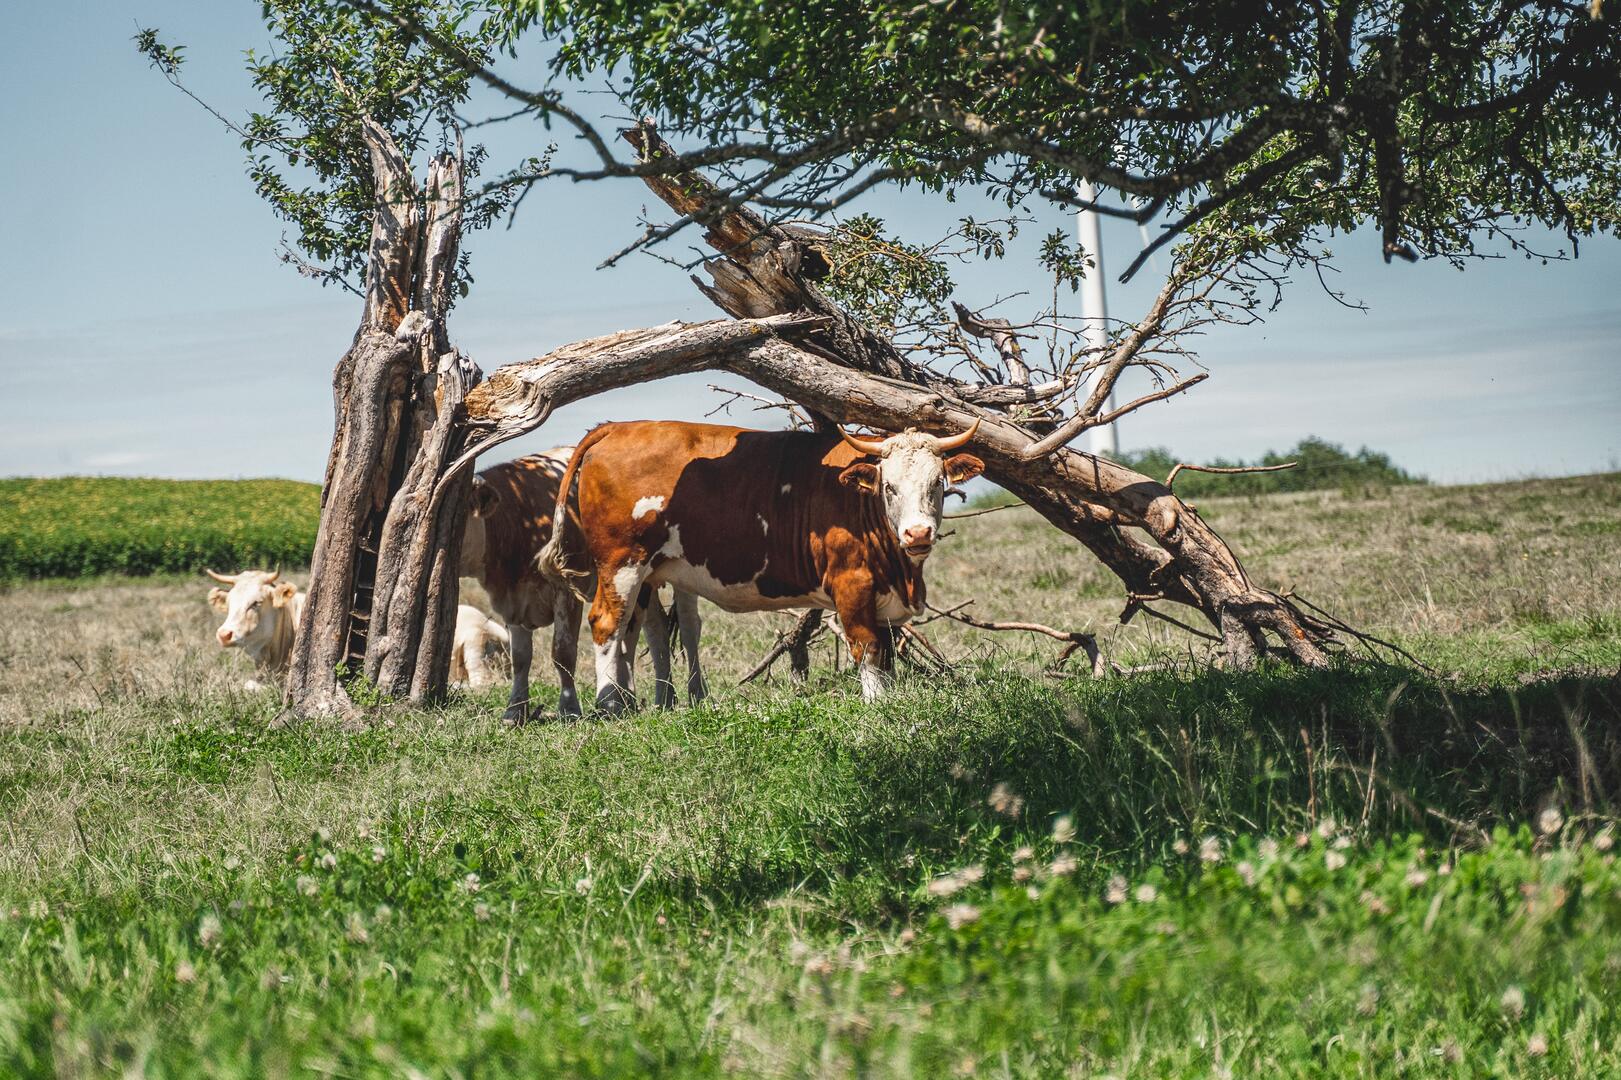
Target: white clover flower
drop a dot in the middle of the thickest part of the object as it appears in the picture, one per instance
(355, 929)
(960, 915)
(329, 861)
(471, 883)
(1115, 891)
(1179, 846)
(1024, 854)
(1550, 821)
(1005, 801)
(382, 914)
(1341, 843)
(1063, 865)
(1210, 850)
(971, 875)
(1325, 828)
(1537, 1045)
(1268, 848)
(945, 885)
(1513, 1002)
(1246, 872)
(1417, 878)
(184, 972)
(1605, 840)
(306, 885)
(378, 853)
(583, 886)
(1021, 874)
(1064, 829)
(1145, 894)
(481, 911)
(1334, 860)
(209, 931)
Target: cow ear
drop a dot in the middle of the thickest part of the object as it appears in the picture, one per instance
(483, 498)
(282, 593)
(863, 476)
(216, 600)
(961, 468)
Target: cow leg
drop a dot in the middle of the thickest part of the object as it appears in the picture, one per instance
(857, 605)
(566, 610)
(475, 673)
(691, 625)
(613, 617)
(523, 641)
(656, 625)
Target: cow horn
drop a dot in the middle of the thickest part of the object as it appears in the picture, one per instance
(956, 442)
(274, 574)
(223, 579)
(876, 449)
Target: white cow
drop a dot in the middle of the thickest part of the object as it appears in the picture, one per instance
(476, 635)
(261, 618)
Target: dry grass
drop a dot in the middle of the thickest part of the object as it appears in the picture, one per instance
(1489, 562)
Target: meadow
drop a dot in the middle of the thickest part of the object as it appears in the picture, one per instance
(81, 525)
(1380, 869)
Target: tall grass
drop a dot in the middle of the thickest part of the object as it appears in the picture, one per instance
(78, 526)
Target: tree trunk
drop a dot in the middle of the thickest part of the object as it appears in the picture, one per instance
(383, 582)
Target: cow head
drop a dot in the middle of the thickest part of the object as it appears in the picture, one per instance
(911, 476)
(481, 504)
(252, 606)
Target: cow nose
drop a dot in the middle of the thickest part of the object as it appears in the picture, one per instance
(918, 536)
(224, 635)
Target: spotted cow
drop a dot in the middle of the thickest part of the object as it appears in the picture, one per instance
(757, 521)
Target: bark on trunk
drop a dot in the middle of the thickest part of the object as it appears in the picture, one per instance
(383, 582)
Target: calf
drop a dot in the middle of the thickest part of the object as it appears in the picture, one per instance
(476, 636)
(261, 618)
(757, 521)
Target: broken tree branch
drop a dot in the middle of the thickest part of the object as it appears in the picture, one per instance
(1170, 481)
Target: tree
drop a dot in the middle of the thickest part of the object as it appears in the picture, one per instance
(351, 100)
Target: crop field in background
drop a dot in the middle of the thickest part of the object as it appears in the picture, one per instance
(1371, 870)
(79, 525)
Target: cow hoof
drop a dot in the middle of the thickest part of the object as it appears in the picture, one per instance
(515, 716)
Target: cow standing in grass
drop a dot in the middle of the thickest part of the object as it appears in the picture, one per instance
(512, 513)
(757, 521)
(261, 618)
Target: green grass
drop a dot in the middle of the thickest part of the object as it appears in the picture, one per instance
(747, 888)
(79, 526)
(792, 883)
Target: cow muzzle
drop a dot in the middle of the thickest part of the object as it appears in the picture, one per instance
(226, 635)
(917, 541)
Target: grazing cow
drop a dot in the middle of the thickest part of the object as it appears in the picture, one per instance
(476, 635)
(261, 618)
(511, 520)
(758, 521)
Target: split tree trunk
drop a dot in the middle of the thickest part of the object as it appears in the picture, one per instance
(383, 583)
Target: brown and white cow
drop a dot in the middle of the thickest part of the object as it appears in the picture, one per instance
(261, 618)
(511, 520)
(758, 521)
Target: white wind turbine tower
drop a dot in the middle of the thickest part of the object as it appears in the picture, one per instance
(1094, 310)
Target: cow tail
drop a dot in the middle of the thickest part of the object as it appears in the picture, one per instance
(551, 559)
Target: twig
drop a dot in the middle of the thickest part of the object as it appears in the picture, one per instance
(1073, 637)
(1135, 603)
(987, 510)
(1170, 481)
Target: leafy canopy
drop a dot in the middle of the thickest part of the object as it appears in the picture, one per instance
(1442, 121)
(331, 65)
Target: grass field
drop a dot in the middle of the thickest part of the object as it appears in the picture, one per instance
(85, 525)
(1369, 871)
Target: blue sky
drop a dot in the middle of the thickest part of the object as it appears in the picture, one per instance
(147, 327)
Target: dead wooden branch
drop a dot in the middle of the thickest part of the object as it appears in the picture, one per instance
(795, 642)
(1076, 639)
(985, 510)
(1170, 481)
(1000, 333)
